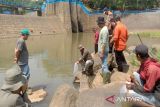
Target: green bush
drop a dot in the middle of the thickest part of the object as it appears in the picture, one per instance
(126, 4)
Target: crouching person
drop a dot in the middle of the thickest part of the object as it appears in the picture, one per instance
(13, 91)
(146, 82)
(86, 61)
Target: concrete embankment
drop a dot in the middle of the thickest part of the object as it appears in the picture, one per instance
(144, 21)
(72, 15)
(65, 17)
(80, 21)
(11, 25)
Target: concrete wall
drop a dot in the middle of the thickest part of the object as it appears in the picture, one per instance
(134, 22)
(62, 10)
(11, 25)
(65, 17)
(83, 22)
(144, 21)
(72, 16)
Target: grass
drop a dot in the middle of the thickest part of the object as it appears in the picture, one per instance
(133, 60)
(153, 53)
(147, 33)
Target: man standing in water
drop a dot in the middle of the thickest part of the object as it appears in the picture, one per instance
(21, 53)
(103, 48)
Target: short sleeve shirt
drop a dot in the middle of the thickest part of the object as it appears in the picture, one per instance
(21, 46)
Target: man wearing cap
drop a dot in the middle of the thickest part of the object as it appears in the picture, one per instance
(12, 93)
(21, 53)
(86, 61)
(120, 37)
(103, 48)
(146, 81)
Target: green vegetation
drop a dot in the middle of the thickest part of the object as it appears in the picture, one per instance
(158, 55)
(133, 60)
(153, 52)
(147, 33)
(122, 4)
(24, 3)
(28, 4)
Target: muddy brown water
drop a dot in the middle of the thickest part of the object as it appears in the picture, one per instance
(52, 57)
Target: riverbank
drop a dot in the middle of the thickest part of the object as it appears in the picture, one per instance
(52, 58)
(11, 25)
(93, 93)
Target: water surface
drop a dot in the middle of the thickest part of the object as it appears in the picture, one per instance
(52, 57)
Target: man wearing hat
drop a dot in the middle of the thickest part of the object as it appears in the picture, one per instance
(86, 61)
(12, 93)
(146, 81)
(21, 53)
(103, 48)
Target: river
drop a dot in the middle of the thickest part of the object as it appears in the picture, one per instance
(52, 58)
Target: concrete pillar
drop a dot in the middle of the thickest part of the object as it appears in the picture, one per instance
(80, 21)
(67, 16)
(74, 18)
(39, 13)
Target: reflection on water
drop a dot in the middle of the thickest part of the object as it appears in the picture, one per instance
(51, 58)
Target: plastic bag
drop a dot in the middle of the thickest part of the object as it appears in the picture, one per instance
(75, 70)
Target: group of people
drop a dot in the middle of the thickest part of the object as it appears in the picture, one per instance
(112, 38)
(13, 92)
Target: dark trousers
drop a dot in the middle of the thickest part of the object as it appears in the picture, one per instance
(96, 48)
(120, 60)
(111, 48)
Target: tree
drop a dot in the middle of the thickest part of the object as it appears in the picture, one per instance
(126, 4)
